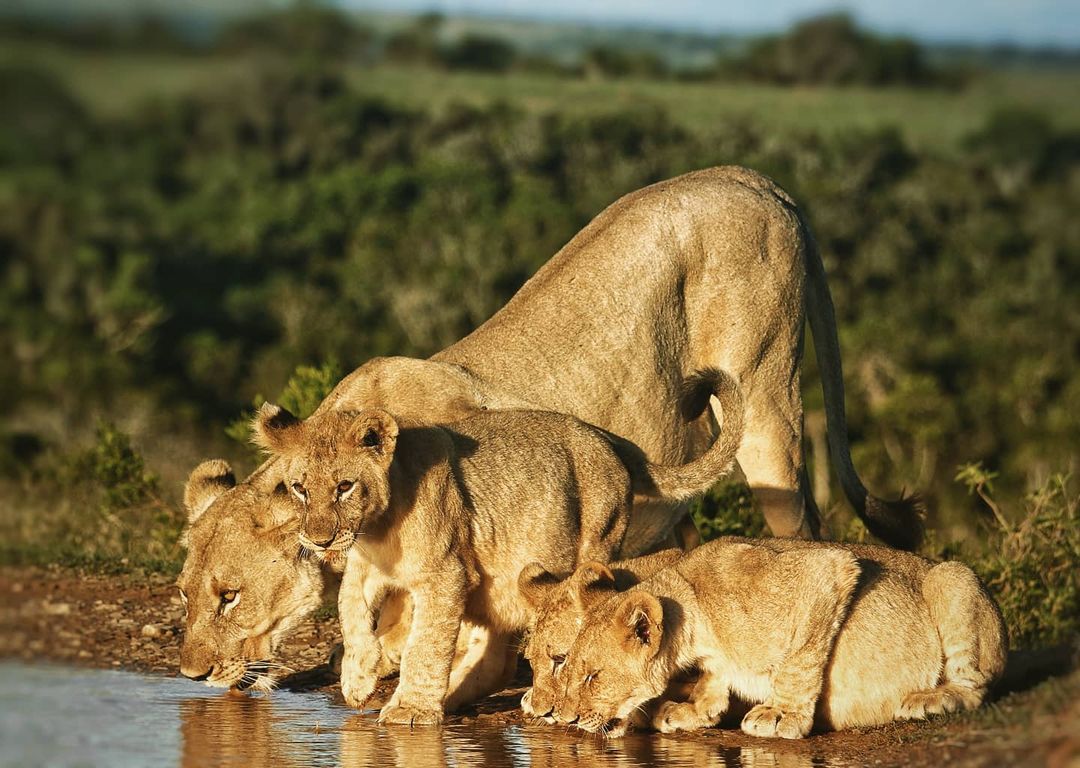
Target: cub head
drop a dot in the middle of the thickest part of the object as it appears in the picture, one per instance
(336, 467)
(246, 582)
(559, 607)
(613, 665)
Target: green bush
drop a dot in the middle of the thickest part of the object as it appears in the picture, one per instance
(727, 510)
(1032, 563)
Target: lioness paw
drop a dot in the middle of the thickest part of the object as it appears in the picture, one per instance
(678, 716)
(770, 722)
(406, 715)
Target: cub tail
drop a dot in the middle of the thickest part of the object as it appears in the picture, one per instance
(678, 483)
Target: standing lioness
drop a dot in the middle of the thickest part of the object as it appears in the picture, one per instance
(833, 634)
(451, 514)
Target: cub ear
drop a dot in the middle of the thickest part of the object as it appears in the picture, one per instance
(640, 618)
(375, 430)
(535, 585)
(274, 429)
(205, 483)
(590, 576)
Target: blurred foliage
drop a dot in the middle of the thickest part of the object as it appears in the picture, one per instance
(98, 507)
(727, 510)
(832, 50)
(1031, 563)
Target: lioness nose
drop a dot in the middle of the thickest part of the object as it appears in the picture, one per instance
(195, 676)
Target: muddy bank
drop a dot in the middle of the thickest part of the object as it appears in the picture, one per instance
(135, 623)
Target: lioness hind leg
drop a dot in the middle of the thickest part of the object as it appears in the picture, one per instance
(973, 642)
(771, 459)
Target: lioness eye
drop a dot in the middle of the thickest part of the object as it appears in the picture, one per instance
(559, 658)
(229, 595)
(590, 677)
(183, 596)
(344, 487)
(299, 490)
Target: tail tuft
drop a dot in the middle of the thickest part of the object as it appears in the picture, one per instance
(898, 523)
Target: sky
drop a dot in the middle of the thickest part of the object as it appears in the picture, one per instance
(1028, 22)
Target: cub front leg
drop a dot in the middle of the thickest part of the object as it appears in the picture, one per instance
(438, 607)
(709, 700)
(363, 589)
(788, 711)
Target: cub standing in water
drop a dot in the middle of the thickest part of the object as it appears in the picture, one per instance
(835, 635)
(450, 514)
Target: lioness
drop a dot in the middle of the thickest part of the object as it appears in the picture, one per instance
(450, 514)
(832, 634)
(715, 268)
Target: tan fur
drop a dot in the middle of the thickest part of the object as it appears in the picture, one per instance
(244, 538)
(560, 606)
(809, 632)
(715, 268)
(449, 515)
(241, 539)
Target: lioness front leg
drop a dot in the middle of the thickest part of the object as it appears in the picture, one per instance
(708, 702)
(362, 592)
(438, 607)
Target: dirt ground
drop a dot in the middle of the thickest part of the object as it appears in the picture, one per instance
(135, 623)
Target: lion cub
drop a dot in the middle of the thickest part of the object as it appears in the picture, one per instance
(451, 514)
(812, 633)
(559, 608)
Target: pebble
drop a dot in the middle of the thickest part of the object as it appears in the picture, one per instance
(149, 630)
(56, 609)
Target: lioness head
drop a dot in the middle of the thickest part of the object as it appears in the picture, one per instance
(336, 466)
(246, 582)
(559, 607)
(610, 671)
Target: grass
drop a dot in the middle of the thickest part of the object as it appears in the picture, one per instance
(113, 82)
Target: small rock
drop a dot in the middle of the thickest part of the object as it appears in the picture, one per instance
(17, 587)
(149, 630)
(56, 609)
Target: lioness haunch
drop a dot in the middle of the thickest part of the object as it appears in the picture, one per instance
(449, 514)
(812, 633)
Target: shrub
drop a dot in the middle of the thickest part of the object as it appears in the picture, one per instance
(1032, 565)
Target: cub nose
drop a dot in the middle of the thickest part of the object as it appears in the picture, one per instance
(190, 675)
(320, 531)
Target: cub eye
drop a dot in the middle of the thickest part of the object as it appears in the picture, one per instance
(300, 490)
(183, 597)
(229, 596)
(590, 677)
(344, 487)
(558, 659)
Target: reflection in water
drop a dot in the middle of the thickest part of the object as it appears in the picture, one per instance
(123, 719)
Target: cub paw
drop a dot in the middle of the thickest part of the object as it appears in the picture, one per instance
(357, 682)
(921, 704)
(406, 715)
(677, 716)
(770, 722)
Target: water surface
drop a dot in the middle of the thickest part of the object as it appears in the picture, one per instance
(58, 716)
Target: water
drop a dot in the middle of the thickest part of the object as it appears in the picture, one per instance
(57, 716)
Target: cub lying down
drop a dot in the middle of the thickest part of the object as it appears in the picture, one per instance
(812, 633)
(450, 514)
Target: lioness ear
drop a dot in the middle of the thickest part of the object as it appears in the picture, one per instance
(274, 429)
(535, 584)
(590, 576)
(642, 620)
(205, 483)
(375, 430)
